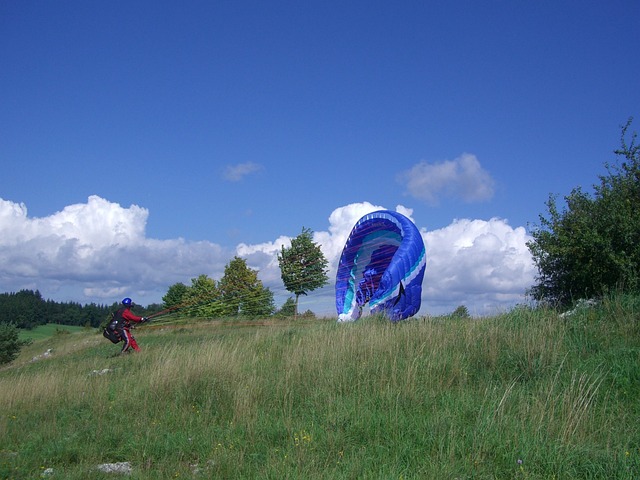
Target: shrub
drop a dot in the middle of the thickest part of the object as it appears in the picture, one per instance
(10, 344)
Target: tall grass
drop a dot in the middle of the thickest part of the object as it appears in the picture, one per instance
(526, 394)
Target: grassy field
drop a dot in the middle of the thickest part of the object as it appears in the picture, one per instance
(42, 332)
(526, 394)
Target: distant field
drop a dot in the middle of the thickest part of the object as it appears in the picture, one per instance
(50, 329)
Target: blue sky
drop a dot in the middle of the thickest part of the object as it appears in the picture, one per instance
(147, 142)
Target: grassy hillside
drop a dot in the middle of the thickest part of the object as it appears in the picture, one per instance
(522, 395)
(42, 332)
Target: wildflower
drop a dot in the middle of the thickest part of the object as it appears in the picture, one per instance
(302, 437)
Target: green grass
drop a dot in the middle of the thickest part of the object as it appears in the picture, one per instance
(521, 395)
(42, 332)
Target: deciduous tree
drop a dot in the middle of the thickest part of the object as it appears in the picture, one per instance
(175, 296)
(303, 266)
(242, 293)
(592, 245)
(203, 297)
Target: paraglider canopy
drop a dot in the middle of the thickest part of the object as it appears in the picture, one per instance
(382, 263)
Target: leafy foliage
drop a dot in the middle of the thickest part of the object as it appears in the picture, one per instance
(203, 297)
(461, 312)
(175, 296)
(303, 266)
(10, 344)
(242, 292)
(239, 292)
(593, 246)
(288, 308)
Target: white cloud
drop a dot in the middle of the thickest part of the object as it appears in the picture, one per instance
(484, 265)
(99, 252)
(235, 173)
(264, 256)
(98, 248)
(462, 178)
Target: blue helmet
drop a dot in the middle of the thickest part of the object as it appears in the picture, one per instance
(127, 301)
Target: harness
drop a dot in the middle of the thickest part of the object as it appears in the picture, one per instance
(117, 322)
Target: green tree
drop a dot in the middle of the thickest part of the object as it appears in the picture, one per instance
(461, 312)
(203, 297)
(10, 344)
(288, 308)
(175, 296)
(593, 245)
(303, 266)
(25, 309)
(242, 293)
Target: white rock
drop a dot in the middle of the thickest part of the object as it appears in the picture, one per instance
(119, 467)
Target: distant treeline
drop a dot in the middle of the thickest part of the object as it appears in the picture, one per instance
(27, 309)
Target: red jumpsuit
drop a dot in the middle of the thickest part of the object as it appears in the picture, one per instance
(124, 317)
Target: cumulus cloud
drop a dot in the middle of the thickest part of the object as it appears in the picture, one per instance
(98, 248)
(264, 256)
(235, 173)
(484, 265)
(462, 178)
(98, 251)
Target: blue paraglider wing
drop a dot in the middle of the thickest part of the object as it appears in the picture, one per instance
(382, 263)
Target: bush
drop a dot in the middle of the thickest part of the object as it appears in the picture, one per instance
(10, 344)
(461, 312)
(592, 246)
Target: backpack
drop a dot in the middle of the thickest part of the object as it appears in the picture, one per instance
(110, 332)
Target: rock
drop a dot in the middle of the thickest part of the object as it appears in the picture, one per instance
(119, 467)
(44, 355)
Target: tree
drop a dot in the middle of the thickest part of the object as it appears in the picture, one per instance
(303, 267)
(10, 343)
(25, 309)
(175, 296)
(461, 312)
(242, 292)
(593, 245)
(203, 297)
(288, 308)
